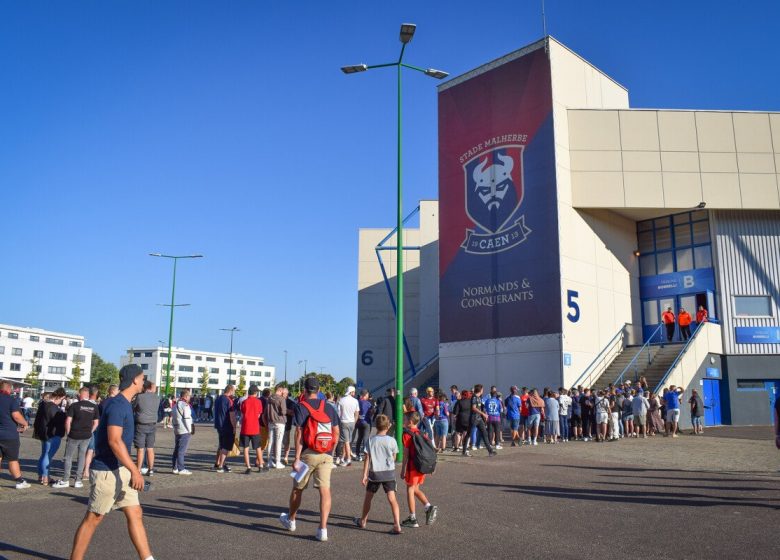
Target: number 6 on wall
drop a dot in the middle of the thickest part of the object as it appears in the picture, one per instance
(574, 314)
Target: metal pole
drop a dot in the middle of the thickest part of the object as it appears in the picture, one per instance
(230, 366)
(399, 316)
(285, 367)
(170, 333)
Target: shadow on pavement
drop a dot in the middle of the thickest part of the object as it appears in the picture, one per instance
(5, 547)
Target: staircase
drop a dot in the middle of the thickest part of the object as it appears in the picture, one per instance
(427, 375)
(652, 363)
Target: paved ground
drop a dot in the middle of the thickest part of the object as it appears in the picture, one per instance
(691, 497)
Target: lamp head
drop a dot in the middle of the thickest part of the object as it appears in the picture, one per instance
(407, 32)
(701, 205)
(438, 74)
(354, 69)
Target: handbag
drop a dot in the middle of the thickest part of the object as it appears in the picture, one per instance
(235, 451)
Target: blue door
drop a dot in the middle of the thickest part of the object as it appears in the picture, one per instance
(773, 388)
(711, 398)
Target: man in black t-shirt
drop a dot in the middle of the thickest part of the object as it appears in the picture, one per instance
(478, 418)
(82, 420)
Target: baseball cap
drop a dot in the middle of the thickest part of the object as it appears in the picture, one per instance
(128, 374)
(350, 389)
(311, 384)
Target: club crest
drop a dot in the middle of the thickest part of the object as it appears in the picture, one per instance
(494, 194)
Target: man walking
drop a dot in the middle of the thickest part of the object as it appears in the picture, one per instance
(82, 420)
(225, 424)
(115, 479)
(478, 419)
(697, 413)
(276, 413)
(512, 404)
(251, 410)
(668, 319)
(349, 411)
(145, 409)
(316, 431)
(429, 403)
(11, 423)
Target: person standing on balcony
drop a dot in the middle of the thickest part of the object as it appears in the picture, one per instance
(684, 319)
(669, 321)
(701, 315)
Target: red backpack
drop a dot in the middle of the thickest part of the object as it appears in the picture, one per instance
(318, 431)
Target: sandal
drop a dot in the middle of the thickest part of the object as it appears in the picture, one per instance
(357, 523)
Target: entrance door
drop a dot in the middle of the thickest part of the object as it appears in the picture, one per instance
(773, 388)
(711, 398)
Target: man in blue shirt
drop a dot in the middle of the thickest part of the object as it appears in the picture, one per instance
(513, 404)
(115, 478)
(225, 424)
(672, 398)
(11, 421)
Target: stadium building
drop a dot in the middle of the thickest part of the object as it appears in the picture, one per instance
(567, 223)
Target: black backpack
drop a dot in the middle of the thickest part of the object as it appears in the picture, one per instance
(424, 456)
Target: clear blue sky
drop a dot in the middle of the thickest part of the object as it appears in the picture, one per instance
(226, 128)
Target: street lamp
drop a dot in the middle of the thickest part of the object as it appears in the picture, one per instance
(173, 306)
(406, 34)
(230, 366)
(285, 367)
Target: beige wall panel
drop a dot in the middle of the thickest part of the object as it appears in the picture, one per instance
(593, 97)
(718, 163)
(595, 160)
(759, 191)
(677, 131)
(604, 278)
(560, 125)
(680, 161)
(600, 189)
(641, 161)
(643, 189)
(613, 96)
(682, 190)
(563, 178)
(639, 130)
(721, 190)
(756, 163)
(752, 132)
(594, 130)
(715, 132)
(774, 121)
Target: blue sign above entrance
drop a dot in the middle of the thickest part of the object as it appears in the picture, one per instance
(758, 335)
(677, 283)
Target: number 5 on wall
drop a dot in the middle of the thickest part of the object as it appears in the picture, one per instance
(571, 302)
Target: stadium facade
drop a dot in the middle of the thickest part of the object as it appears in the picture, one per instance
(567, 223)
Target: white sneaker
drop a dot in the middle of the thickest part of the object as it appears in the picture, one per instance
(185, 472)
(61, 484)
(78, 484)
(23, 485)
(144, 470)
(278, 466)
(499, 447)
(534, 443)
(287, 523)
(175, 471)
(322, 535)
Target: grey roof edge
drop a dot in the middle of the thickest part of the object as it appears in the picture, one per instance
(673, 110)
(588, 62)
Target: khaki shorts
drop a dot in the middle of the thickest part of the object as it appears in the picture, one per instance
(320, 467)
(111, 490)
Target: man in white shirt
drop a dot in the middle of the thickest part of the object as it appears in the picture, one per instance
(349, 411)
(27, 404)
(565, 404)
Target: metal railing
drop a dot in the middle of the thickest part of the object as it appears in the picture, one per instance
(603, 359)
(411, 374)
(679, 357)
(635, 360)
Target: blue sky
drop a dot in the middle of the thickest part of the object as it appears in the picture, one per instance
(227, 129)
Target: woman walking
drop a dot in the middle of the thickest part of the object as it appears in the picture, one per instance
(442, 424)
(49, 428)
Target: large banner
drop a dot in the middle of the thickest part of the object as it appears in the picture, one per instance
(498, 227)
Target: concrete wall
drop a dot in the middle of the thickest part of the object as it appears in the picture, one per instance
(596, 248)
(696, 382)
(674, 159)
(750, 407)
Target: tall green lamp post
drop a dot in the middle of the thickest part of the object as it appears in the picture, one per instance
(407, 32)
(173, 306)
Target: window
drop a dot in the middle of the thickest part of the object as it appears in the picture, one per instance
(145, 367)
(198, 358)
(147, 354)
(267, 374)
(750, 385)
(752, 306)
(226, 360)
(34, 338)
(136, 354)
(214, 370)
(58, 356)
(79, 359)
(13, 335)
(210, 359)
(163, 354)
(231, 372)
(239, 361)
(213, 381)
(201, 370)
(57, 370)
(701, 232)
(267, 384)
(57, 341)
(185, 379)
(2, 349)
(702, 256)
(75, 343)
(250, 363)
(674, 243)
(183, 357)
(15, 367)
(16, 352)
(185, 368)
(684, 259)
(37, 353)
(1, 366)
(37, 368)
(254, 374)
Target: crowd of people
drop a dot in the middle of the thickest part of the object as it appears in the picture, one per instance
(329, 432)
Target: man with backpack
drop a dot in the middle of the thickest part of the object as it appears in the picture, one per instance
(419, 460)
(317, 431)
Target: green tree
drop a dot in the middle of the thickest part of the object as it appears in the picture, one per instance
(241, 389)
(33, 377)
(341, 386)
(102, 373)
(204, 381)
(75, 380)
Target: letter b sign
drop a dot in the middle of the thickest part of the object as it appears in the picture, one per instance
(688, 281)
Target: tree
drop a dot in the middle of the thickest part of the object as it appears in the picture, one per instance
(204, 381)
(35, 371)
(103, 373)
(241, 389)
(75, 380)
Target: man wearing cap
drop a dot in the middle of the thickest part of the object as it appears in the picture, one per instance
(349, 411)
(318, 465)
(115, 478)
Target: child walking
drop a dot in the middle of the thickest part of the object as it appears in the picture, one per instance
(413, 478)
(379, 470)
